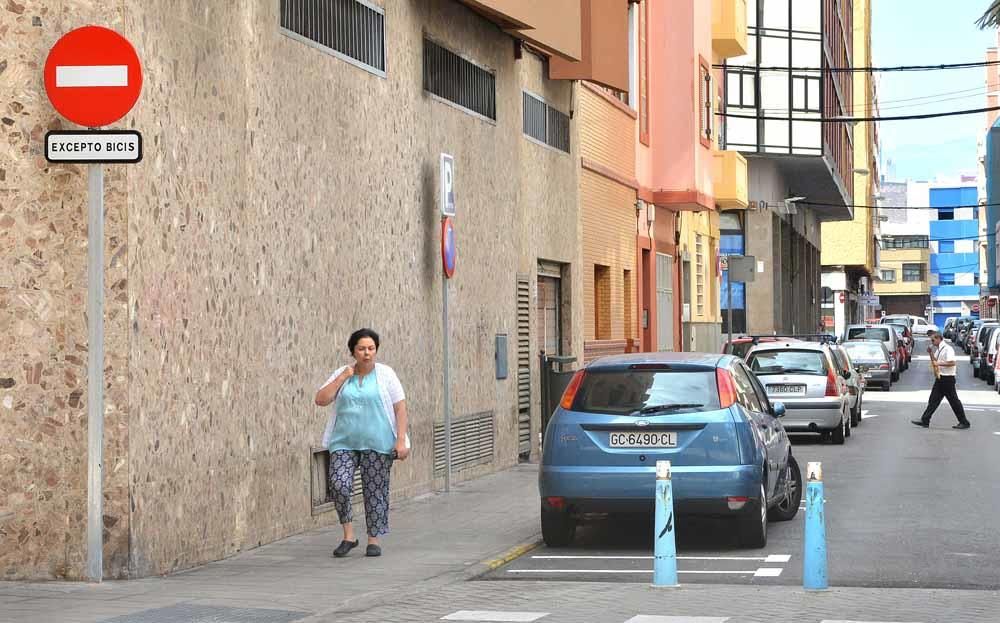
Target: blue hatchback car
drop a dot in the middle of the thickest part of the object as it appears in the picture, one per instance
(705, 413)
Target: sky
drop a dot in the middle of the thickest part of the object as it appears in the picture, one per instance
(925, 32)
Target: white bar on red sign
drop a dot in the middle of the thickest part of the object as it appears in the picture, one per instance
(121, 146)
(92, 75)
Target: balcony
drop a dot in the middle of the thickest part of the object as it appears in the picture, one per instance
(729, 27)
(729, 179)
(604, 46)
(552, 26)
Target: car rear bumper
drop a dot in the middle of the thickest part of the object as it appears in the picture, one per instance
(696, 490)
(879, 377)
(812, 416)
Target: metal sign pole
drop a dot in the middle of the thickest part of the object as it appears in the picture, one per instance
(95, 372)
(729, 305)
(447, 382)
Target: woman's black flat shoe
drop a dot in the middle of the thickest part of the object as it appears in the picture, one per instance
(373, 551)
(344, 548)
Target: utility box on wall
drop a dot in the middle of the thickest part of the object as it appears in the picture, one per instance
(501, 356)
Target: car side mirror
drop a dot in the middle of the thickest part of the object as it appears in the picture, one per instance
(778, 409)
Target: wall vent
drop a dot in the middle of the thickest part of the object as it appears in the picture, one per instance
(352, 30)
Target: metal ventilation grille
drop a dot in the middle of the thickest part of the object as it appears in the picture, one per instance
(524, 367)
(472, 441)
(350, 29)
(544, 123)
(451, 77)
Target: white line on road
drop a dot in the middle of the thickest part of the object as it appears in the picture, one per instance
(767, 572)
(865, 414)
(625, 571)
(645, 618)
(851, 621)
(92, 75)
(495, 616)
(997, 433)
(770, 558)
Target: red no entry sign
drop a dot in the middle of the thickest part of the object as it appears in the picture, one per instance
(92, 76)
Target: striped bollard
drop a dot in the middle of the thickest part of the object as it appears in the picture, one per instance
(664, 544)
(814, 575)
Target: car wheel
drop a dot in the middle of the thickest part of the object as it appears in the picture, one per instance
(848, 424)
(558, 528)
(837, 435)
(789, 505)
(856, 414)
(753, 527)
(975, 372)
(895, 376)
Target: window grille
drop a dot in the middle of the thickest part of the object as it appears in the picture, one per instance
(461, 82)
(349, 29)
(913, 272)
(699, 255)
(545, 124)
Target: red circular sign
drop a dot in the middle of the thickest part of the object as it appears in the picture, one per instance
(975, 307)
(448, 250)
(842, 297)
(92, 76)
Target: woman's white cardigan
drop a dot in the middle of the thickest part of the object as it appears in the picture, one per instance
(390, 390)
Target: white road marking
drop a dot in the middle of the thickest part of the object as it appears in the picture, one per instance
(625, 571)
(770, 558)
(92, 75)
(767, 572)
(851, 621)
(495, 615)
(997, 433)
(866, 414)
(645, 618)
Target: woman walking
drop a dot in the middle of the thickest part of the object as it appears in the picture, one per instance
(366, 431)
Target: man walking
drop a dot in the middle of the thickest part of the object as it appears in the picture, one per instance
(944, 365)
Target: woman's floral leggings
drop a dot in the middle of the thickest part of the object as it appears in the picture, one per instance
(374, 482)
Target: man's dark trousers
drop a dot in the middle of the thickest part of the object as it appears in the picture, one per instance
(944, 387)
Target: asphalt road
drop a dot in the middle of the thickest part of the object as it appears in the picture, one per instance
(906, 507)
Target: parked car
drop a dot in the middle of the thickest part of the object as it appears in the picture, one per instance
(977, 346)
(965, 334)
(740, 346)
(948, 331)
(855, 381)
(883, 334)
(988, 371)
(921, 327)
(874, 361)
(806, 379)
(705, 413)
(907, 336)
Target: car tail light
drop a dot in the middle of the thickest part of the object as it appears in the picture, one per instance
(727, 388)
(557, 504)
(574, 386)
(736, 502)
(989, 359)
(883, 366)
(831, 384)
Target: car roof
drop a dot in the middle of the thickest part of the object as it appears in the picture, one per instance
(813, 346)
(693, 360)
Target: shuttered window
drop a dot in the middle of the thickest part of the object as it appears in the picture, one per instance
(463, 83)
(352, 30)
(544, 123)
(524, 367)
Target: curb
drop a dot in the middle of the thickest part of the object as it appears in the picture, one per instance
(484, 567)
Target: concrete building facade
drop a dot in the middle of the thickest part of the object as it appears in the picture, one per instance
(903, 280)
(287, 196)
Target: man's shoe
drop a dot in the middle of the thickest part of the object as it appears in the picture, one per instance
(962, 426)
(921, 423)
(344, 548)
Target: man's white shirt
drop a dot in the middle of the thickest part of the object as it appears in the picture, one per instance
(945, 354)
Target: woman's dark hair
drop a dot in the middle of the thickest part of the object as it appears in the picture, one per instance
(357, 337)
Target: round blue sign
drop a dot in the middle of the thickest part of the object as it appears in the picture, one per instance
(448, 251)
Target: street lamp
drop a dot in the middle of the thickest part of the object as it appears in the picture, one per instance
(790, 204)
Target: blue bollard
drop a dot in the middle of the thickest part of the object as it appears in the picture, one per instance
(814, 576)
(664, 545)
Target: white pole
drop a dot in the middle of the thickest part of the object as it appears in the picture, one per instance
(447, 382)
(95, 372)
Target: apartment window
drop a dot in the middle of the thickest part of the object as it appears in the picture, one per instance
(741, 89)
(699, 273)
(705, 127)
(946, 214)
(805, 94)
(644, 72)
(888, 276)
(914, 272)
(905, 242)
(627, 295)
(602, 302)
(348, 29)
(544, 123)
(459, 81)
(946, 279)
(946, 246)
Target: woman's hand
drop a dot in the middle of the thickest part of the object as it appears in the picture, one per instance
(401, 450)
(347, 373)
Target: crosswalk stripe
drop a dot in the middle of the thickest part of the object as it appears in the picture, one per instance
(767, 572)
(494, 616)
(850, 621)
(645, 618)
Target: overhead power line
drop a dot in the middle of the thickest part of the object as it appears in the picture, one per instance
(869, 70)
(933, 115)
(820, 204)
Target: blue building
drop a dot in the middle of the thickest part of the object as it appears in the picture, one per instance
(954, 260)
(992, 167)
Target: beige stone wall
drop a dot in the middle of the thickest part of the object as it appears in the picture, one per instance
(286, 198)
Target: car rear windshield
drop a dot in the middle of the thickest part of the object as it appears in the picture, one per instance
(788, 362)
(629, 392)
(868, 333)
(739, 349)
(862, 350)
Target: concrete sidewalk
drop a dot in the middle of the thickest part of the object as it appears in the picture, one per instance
(435, 540)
